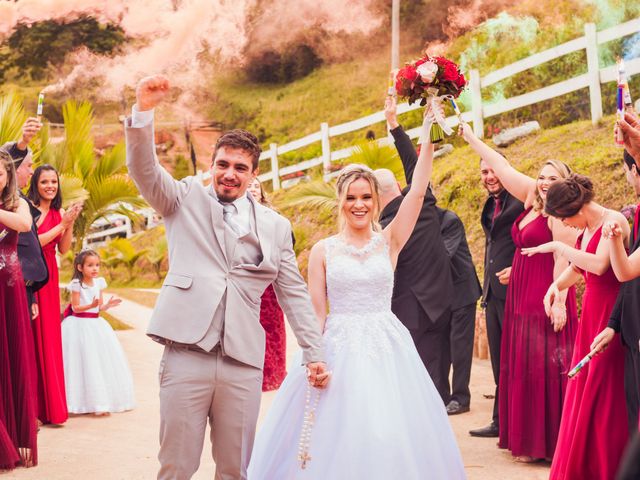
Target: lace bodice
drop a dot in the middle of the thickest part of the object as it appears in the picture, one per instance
(359, 280)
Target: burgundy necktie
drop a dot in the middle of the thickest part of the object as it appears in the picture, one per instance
(496, 210)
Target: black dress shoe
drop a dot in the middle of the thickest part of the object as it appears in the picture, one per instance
(486, 432)
(454, 408)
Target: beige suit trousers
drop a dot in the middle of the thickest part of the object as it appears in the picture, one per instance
(196, 387)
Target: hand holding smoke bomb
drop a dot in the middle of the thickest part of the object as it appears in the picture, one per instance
(623, 101)
(40, 106)
(574, 371)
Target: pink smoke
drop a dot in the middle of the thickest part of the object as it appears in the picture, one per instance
(169, 36)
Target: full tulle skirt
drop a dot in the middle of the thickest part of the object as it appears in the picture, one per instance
(96, 371)
(380, 417)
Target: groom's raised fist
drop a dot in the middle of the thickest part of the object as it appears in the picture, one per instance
(151, 91)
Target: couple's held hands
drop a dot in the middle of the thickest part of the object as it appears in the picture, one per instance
(318, 375)
(150, 91)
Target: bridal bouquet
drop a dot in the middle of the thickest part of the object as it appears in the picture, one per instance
(430, 80)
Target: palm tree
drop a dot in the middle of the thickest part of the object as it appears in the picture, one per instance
(126, 254)
(322, 196)
(157, 255)
(375, 156)
(101, 181)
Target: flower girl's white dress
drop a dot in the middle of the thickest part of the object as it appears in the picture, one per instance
(381, 417)
(96, 373)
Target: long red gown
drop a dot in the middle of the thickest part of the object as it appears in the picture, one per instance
(52, 401)
(594, 431)
(534, 359)
(18, 400)
(275, 355)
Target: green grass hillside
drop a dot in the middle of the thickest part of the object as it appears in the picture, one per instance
(586, 149)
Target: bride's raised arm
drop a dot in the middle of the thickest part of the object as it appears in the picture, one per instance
(318, 282)
(399, 230)
(517, 183)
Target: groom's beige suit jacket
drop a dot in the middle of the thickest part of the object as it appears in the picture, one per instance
(203, 266)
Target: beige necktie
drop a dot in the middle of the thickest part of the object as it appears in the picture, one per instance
(229, 211)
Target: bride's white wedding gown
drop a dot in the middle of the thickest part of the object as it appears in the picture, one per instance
(381, 417)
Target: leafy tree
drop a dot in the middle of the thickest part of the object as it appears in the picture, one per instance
(33, 48)
(181, 168)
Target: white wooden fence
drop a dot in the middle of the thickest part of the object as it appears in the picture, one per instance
(594, 77)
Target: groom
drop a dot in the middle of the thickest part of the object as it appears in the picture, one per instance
(224, 250)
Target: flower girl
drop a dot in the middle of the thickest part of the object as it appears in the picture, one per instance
(97, 375)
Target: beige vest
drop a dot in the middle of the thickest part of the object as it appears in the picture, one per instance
(239, 250)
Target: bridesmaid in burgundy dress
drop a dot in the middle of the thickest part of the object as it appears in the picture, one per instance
(18, 398)
(536, 347)
(593, 431)
(272, 320)
(55, 228)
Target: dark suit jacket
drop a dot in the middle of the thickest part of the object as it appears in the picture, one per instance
(423, 274)
(625, 316)
(466, 285)
(499, 246)
(34, 267)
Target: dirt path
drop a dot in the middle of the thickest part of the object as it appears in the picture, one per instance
(124, 446)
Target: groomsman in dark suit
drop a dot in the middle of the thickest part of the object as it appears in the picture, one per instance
(499, 212)
(625, 316)
(423, 288)
(467, 291)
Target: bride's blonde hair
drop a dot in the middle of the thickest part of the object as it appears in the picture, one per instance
(348, 175)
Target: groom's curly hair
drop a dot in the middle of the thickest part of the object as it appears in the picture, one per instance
(239, 139)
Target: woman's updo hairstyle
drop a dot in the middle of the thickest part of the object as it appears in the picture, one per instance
(566, 197)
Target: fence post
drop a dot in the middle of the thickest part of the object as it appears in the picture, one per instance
(476, 103)
(326, 148)
(275, 168)
(593, 66)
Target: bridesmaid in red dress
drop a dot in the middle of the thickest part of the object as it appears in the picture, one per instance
(18, 407)
(55, 228)
(272, 320)
(593, 430)
(536, 347)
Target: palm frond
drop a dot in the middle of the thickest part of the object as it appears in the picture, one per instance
(375, 157)
(111, 163)
(316, 194)
(12, 117)
(72, 190)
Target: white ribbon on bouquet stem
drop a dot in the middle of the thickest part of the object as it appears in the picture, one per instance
(435, 104)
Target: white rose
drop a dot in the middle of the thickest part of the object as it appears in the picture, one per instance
(427, 71)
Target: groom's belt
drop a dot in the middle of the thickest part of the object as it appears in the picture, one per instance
(186, 346)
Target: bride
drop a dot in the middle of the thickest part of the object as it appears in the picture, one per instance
(381, 416)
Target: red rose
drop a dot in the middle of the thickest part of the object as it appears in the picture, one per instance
(450, 72)
(408, 72)
(461, 82)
